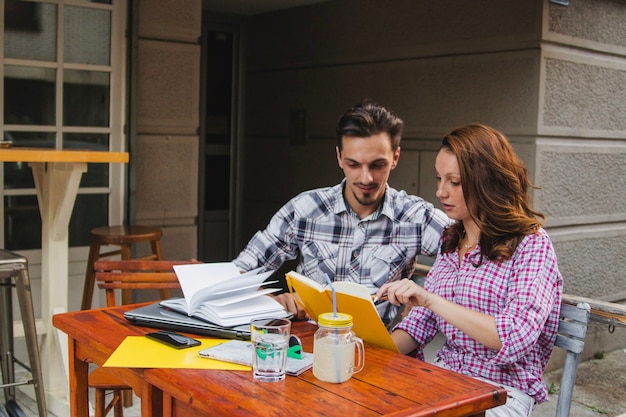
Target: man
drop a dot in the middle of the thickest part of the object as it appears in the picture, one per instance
(360, 230)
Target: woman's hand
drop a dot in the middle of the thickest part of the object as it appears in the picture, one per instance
(479, 326)
(405, 292)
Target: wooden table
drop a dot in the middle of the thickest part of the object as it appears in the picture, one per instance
(390, 383)
(57, 176)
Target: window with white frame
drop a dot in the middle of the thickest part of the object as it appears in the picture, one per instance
(63, 87)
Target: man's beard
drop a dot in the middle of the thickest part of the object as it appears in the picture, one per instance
(366, 200)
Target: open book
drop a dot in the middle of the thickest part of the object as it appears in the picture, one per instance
(352, 298)
(218, 293)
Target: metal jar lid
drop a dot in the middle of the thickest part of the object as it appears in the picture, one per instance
(335, 320)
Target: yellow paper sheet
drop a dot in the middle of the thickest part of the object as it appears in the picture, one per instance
(141, 352)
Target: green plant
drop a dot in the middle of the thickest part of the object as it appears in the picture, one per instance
(553, 389)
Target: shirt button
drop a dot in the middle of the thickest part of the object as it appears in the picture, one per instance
(355, 254)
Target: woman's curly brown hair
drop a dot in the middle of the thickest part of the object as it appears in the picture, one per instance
(496, 189)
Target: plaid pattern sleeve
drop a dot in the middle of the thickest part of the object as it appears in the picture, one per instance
(318, 227)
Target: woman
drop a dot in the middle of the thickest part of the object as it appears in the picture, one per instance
(494, 291)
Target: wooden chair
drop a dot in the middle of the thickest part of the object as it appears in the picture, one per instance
(124, 237)
(576, 313)
(613, 314)
(571, 337)
(127, 275)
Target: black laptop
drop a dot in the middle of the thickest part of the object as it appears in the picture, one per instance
(159, 317)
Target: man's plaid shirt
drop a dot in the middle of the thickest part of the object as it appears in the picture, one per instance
(329, 238)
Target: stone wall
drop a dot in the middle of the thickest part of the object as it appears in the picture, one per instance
(164, 154)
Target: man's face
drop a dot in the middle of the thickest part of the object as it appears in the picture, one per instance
(366, 163)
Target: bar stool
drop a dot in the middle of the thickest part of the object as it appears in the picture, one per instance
(14, 267)
(124, 237)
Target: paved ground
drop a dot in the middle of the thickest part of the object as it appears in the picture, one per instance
(600, 389)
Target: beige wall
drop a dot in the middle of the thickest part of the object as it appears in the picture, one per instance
(581, 151)
(438, 64)
(164, 161)
(581, 143)
(551, 77)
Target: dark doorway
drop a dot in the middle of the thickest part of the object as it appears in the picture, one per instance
(217, 139)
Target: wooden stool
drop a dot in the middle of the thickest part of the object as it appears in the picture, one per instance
(103, 381)
(14, 273)
(124, 237)
(140, 275)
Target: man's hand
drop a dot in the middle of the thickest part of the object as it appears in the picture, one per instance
(289, 303)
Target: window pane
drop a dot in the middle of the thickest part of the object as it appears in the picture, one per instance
(22, 223)
(97, 175)
(86, 98)
(87, 37)
(19, 174)
(28, 95)
(30, 30)
(90, 211)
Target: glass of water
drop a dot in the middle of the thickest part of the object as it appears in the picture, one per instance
(270, 341)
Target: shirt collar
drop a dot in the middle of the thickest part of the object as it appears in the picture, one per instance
(342, 206)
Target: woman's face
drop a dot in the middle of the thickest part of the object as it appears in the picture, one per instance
(449, 190)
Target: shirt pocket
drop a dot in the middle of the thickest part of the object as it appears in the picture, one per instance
(387, 263)
(318, 259)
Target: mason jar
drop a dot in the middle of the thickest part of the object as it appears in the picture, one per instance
(336, 348)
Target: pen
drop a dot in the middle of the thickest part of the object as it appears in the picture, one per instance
(380, 300)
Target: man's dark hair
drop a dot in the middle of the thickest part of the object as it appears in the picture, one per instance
(366, 119)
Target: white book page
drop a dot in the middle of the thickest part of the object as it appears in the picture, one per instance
(238, 290)
(228, 317)
(244, 283)
(239, 320)
(308, 281)
(352, 288)
(242, 313)
(195, 277)
(224, 301)
(176, 304)
(254, 307)
(239, 281)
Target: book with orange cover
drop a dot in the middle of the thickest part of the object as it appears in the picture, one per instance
(352, 298)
